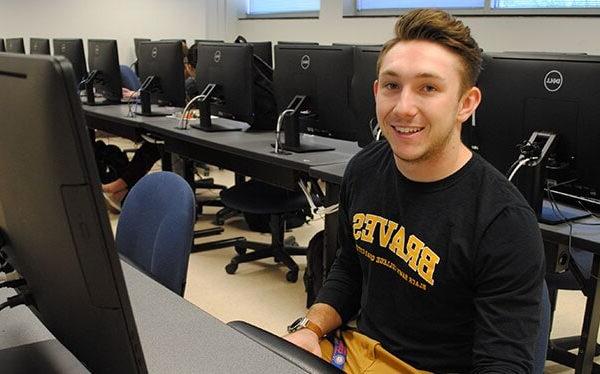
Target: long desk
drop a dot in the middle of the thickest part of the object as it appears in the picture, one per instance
(176, 337)
(584, 237)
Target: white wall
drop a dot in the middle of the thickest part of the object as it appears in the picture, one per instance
(114, 19)
(549, 34)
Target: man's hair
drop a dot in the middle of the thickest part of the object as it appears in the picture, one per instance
(443, 29)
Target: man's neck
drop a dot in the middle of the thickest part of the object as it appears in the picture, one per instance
(437, 167)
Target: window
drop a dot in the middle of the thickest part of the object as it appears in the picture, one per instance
(476, 7)
(270, 8)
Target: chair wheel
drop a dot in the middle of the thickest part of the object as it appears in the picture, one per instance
(231, 268)
(239, 250)
(219, 221)
(292, 276)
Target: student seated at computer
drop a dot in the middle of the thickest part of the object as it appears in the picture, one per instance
(148, 153)
(441, 255)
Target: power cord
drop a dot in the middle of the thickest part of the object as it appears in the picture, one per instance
(14, 283)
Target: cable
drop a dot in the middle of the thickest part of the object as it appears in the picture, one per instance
(321, 210)
(184, 113)
(521, 163)
(13, 283)
(278, 129)
(13, 301)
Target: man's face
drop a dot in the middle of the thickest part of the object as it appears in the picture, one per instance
(419, 101)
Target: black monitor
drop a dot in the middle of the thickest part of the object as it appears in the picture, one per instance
(105, 73)
(2, 48)
(207, 41)
(53, 217)
(296, 43)
(15, 45)
(557, 93)
(160, 66)
(362, 99)
(72, 49)
(314, 83)
(224, 77)
(39, 46)
(264, 50)
(137, 43)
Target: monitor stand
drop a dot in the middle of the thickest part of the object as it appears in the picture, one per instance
(560, 214)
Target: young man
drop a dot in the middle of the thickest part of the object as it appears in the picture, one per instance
(440, 257)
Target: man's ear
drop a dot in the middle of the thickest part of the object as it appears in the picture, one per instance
(468, 103)
(375, 87)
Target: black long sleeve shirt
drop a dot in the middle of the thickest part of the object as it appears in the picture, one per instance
(447, 275)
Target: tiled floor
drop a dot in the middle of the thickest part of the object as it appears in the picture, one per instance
(258, 292)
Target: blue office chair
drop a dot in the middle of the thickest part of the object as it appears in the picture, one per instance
(128, 78)
(580, 263)
(156, 226)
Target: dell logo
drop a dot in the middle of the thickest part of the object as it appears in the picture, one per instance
(63, 48)
(154, 52)
(217, 56)
(553, 80)
(305, 62)
(97, 50)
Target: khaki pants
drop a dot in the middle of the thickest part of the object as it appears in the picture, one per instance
(366, 355)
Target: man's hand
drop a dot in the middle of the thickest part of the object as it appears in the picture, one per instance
(305, 339)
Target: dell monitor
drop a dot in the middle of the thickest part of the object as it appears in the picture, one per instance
(526, 93)
(362, 99)
(160, 66)
(224, 76)
(105, 74)
(39, 46)
(2, 48)
(72, 49)
(296, 43)
(137, 42)
(15, 45)
(53, 219)
(313, 84)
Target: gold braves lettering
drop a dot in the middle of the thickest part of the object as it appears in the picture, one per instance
(393, 237)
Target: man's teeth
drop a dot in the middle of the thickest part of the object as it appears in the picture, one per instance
(408, 130)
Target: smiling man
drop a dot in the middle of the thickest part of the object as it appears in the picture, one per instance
(441, 258)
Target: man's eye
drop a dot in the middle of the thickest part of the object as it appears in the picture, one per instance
(390, 85)
(429, 88)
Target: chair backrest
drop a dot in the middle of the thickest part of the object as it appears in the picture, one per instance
(541, 344)
(129, 79)
(156, 227)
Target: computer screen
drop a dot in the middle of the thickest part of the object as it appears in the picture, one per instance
(53, 217)
(72, 49)
(287, 42)
(264, 50)
(319, 77)
(558, 93)
(160, 66)
(105, 75)
(2, 48)
(15, 45)
(207, 41)
(39, 46)
(362, 99)
(137, 43)
(224, 79)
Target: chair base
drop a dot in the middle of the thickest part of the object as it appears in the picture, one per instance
(558, 351)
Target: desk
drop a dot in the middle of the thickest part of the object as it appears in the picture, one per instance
(176, 337)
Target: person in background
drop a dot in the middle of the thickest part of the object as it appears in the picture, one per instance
(148, 153)
(441, 257)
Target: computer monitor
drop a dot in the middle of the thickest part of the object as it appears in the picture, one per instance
(53, 217)
(160, 65)
(362, 99)
(2, 48)
(208, 41)
(264, 50)
(524, 93)
(296, 43)
(105, 74)
(72, 49)
(314, 83)
(39, 46)
(224, 76)
(15, 45)
(137, 43)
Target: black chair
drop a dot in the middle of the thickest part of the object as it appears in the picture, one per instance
(576, 278)
(155, 228)
(281, 205)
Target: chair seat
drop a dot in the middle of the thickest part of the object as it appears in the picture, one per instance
(261, 198)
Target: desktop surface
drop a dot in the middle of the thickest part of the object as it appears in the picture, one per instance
(176, 337)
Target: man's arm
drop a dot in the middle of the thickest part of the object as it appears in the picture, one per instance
(323, 316)
(509, 272)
